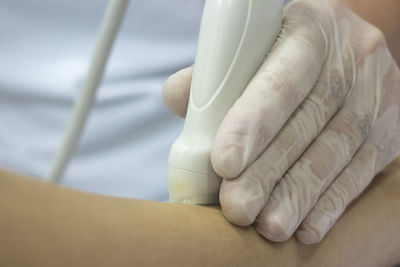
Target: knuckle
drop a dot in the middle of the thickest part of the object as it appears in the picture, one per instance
(374, 38)
(366, 41)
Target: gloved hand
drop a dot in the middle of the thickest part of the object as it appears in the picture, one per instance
(317, 122)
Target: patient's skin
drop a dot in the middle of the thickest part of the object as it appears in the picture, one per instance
(46, 225)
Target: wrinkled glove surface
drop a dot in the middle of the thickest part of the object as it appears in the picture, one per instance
(314, 126)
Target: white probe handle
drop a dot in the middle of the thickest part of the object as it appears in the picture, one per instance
(235, 37)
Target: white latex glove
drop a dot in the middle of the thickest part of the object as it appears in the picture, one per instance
(317, 122)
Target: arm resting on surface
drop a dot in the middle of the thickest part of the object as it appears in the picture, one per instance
(46, 225)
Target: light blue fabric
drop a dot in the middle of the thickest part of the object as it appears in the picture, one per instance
(45, 47)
